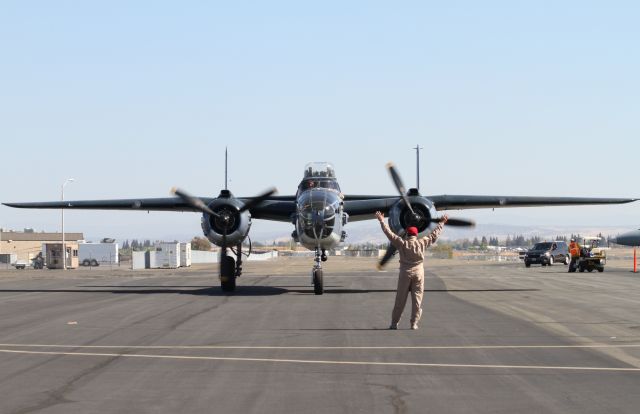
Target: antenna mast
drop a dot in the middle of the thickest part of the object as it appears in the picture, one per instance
(225, 169)
(418, 148)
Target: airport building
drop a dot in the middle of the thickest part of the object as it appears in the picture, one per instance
(26, 245)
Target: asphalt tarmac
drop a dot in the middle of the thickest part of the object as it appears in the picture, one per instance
(494, 338)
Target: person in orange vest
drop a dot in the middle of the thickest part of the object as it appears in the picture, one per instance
(574, 251)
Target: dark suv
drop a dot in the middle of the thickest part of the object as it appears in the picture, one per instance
(548, 253)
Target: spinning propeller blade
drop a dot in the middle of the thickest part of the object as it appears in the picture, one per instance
(391, 250)
(399, 185)
(194, 202)
(258, 199)
(456, 222)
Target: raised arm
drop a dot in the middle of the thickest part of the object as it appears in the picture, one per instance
(433, 236)
(393, 238)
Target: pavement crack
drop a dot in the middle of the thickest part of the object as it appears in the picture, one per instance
(397, 397)
(58, 396)
(196, 314)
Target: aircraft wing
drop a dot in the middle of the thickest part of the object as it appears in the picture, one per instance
(281, 208)
(143, 204)
(364, 207)
(463, 202)
(278, 208)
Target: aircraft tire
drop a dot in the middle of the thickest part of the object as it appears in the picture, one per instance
(527, 264)
(227, 274)
(318, 287)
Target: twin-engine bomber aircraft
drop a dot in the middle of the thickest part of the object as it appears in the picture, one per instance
(319, 211)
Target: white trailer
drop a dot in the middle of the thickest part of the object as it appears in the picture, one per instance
(98, 254)
(185, 254)
(167, 256)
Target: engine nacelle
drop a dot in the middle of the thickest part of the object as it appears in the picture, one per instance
(400, 216)
(238, 225)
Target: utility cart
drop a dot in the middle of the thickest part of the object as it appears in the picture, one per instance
(593, 255)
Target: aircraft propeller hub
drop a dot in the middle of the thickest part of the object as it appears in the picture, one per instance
(225, 220)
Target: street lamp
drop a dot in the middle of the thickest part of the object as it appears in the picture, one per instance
(64, 247)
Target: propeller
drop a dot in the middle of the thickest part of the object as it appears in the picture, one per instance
(401, 189)
(456, 222)
(391, 251)
(194, 202)
(198, 204)
(255, 201)
(416, 217)
(225, 220)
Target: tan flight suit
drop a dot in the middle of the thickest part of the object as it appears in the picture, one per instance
(411, 277)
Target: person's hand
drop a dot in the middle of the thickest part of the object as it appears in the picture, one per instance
(445, 218)
(380, 216)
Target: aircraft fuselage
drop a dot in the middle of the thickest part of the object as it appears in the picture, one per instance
(320, 215)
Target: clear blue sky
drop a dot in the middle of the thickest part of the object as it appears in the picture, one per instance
(132, 98)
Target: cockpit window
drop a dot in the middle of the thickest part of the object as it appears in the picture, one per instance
(319, 170)
(312, 183)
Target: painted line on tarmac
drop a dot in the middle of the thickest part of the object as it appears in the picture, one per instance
(320, 362)
(382, 348)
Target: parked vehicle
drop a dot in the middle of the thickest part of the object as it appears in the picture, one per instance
(548, 253)
(20, 264)
(593, 255)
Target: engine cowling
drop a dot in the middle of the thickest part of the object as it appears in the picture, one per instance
(237, 226)
(400, 217)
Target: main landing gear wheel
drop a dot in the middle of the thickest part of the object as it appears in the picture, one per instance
(228, 274)
(318, 287)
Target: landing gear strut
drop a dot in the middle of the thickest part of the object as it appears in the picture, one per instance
(318, 287)
(227, 273)
(230, 269)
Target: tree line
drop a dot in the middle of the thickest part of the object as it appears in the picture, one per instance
(136, 245)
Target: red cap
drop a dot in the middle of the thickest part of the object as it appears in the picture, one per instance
(412, 231)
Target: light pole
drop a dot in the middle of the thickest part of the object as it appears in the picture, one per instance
(64, 247)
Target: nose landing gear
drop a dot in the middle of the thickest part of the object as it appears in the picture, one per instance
(230, 269)
(227, 273)
(316, 273)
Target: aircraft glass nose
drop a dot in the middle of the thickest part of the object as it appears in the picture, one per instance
(318, 209)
